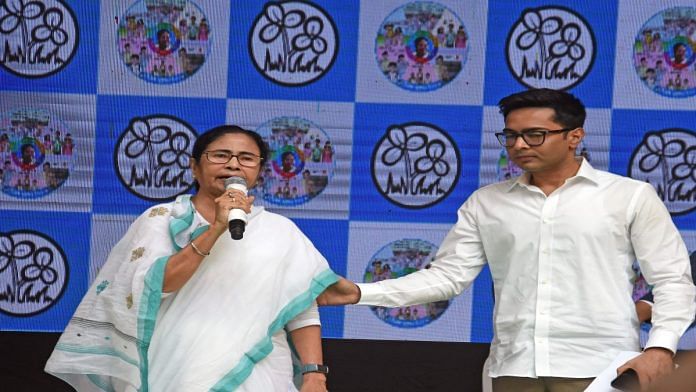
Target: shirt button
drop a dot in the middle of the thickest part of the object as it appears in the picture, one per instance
(545, 251)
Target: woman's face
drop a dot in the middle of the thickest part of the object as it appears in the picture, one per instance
(211, 176)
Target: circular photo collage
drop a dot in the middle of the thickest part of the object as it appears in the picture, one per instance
(664, 52)
(301, 161)
(163, 41)
(421, 46)
(36, 151)
(397, 259)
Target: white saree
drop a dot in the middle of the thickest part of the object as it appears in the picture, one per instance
(223, 331)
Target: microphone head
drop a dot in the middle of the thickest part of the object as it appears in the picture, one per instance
(235, 182)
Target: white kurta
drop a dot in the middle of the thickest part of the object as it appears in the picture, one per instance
(223, 331)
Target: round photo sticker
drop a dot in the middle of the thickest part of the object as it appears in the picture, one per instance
(505, 168)
(421, 46)
(400, 258)
(163, 41)
(36, 151)
(664, 52)
(301, 161)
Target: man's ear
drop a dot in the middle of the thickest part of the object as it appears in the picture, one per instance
(575, 137)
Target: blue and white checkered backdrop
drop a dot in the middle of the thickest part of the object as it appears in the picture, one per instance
(388, 108)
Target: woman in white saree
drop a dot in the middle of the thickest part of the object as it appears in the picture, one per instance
(180, 306)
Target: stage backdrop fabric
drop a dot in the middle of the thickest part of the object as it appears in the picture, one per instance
(384, 110)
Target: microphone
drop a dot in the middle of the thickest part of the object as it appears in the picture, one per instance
(238, 218)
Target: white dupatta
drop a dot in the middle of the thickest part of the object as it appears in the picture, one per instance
(212, 333)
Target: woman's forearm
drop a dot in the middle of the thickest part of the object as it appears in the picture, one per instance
(307, 342)
(184, 264)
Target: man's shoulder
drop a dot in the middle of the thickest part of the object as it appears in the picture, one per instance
(612, 179)
(492, 193)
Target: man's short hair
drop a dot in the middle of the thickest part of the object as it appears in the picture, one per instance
(568, 110)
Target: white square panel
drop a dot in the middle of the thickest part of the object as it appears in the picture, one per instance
(366, 241)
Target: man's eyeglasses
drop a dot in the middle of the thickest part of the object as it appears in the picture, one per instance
(533, 137)
(246, 159)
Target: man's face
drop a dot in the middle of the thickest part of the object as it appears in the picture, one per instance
(288, 162)
(679, 53)
(552, 153)
(28, 154)
(421, 47)
(163, 39)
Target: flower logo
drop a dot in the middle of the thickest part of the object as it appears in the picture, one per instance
(37, 38)
(293, 43)
(33, 272)
(667, 159)
(152, 157)
(551, 47)
(412, 164)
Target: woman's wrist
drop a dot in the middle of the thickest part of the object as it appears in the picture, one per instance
(314, 376)
(217, 229)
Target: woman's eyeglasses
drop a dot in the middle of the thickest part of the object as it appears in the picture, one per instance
(246, 159)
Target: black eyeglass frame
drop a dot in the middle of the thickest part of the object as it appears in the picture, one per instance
(233, 156)
(503, 136)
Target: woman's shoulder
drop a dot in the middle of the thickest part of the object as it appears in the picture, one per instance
(274, 220)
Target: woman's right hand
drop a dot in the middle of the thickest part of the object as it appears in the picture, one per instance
(229, 200)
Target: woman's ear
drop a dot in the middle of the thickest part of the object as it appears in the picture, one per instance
(194, 167)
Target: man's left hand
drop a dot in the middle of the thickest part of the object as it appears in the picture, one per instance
(652, 364)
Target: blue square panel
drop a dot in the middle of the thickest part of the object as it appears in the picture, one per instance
(296, 50)
(60, 51)
(536, 44)
(414, 163)
(143, 149)
(658, 147)
(45, 277)
(330, 237)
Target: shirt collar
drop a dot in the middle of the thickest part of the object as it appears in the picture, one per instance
(586, 171)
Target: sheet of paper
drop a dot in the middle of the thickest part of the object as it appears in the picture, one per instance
(603, 382)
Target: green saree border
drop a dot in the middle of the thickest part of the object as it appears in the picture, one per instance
(235, 377)
(147, 314)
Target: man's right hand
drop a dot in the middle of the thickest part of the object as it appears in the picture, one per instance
(343, 292)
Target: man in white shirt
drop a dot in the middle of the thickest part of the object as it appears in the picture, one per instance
(560, 241)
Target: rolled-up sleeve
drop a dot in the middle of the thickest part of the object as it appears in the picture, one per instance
(306, 318)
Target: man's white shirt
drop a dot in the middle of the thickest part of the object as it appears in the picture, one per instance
(562, 271)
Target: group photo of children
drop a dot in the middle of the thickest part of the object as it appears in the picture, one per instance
(301, 161)
(664, 52)
(421, 46)
(400, 258)
(36, 152)
(163, 41)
